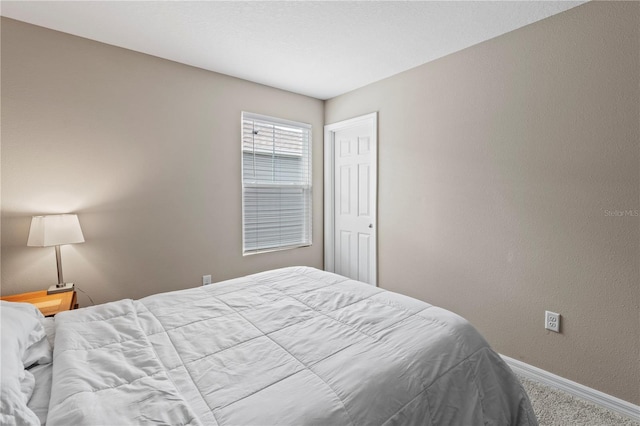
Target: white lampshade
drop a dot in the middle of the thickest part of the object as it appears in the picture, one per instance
(55, 230)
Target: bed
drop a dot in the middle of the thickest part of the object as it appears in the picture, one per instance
(292, 346)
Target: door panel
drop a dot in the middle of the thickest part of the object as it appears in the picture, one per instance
(344, 254)
(364, 203)
(353, 222)
(345, 190)
(364, 257)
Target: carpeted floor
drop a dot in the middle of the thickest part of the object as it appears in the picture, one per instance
(557, 408)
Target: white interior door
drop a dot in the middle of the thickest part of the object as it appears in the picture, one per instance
(350, 249)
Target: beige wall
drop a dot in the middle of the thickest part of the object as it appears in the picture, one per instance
(146, 151)
(497, 166)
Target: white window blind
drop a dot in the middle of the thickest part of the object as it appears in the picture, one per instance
(276, 183)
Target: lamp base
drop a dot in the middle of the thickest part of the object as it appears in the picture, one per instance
(60, 288)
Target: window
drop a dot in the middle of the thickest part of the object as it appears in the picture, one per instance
(276, 184)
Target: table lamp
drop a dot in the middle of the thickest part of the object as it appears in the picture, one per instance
(55, 230)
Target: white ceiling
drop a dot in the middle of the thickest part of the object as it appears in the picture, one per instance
(317, 48)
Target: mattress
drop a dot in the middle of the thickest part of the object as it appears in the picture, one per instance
(292, 346)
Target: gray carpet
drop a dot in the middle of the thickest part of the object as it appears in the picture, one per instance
(554, 407)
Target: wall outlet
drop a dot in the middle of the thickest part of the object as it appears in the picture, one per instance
(552, 321)
(206, 279)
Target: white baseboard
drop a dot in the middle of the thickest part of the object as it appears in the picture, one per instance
(602, 399)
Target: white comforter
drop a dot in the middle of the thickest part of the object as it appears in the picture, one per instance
(294, 346)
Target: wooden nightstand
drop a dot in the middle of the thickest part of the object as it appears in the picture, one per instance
(49, 304)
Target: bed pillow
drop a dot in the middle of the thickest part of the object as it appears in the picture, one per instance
(21, 325)
(23, 331)
(20, 329)
(15, 391)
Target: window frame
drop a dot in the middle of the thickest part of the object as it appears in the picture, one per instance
(275, 121)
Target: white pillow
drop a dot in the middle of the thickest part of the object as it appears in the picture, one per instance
(22, 335)
(21, 325)
(23, 331)
(16, 387)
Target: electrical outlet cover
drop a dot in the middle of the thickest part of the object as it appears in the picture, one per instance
(552, 321)
(206, 279)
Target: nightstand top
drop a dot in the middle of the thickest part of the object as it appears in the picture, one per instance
(49, 304)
